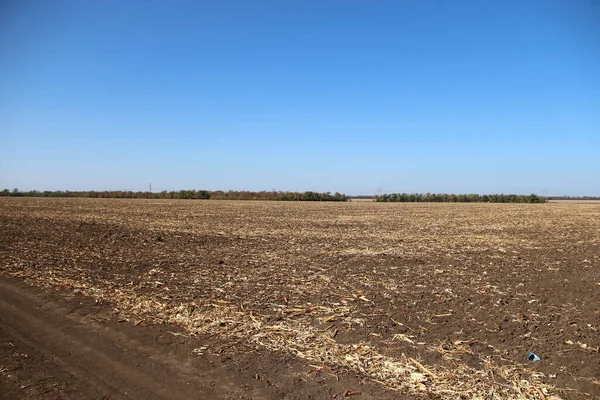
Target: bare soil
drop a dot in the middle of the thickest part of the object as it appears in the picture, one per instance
(57, 349)
(299, 300)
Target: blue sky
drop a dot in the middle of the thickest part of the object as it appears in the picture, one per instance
(414, 96)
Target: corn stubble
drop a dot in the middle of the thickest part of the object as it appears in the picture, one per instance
(439, 300)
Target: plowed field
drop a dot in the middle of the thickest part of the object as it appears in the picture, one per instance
(328, 300)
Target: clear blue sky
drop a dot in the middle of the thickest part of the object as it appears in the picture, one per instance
(414, 96)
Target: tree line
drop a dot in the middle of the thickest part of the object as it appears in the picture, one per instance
(185, 194)
(460, 198)
(573, 197)
(290, 196)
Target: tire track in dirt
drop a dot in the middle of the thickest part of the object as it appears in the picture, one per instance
(103, 363)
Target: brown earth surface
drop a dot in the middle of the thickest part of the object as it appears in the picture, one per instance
(57, 349)
(217, 299)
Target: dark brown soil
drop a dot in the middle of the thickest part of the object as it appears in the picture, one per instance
(52, 348)
(458, 287)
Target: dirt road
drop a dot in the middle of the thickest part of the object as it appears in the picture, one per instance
(51, 348)
(80, 358)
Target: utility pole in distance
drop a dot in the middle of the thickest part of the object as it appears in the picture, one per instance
(150, 187)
